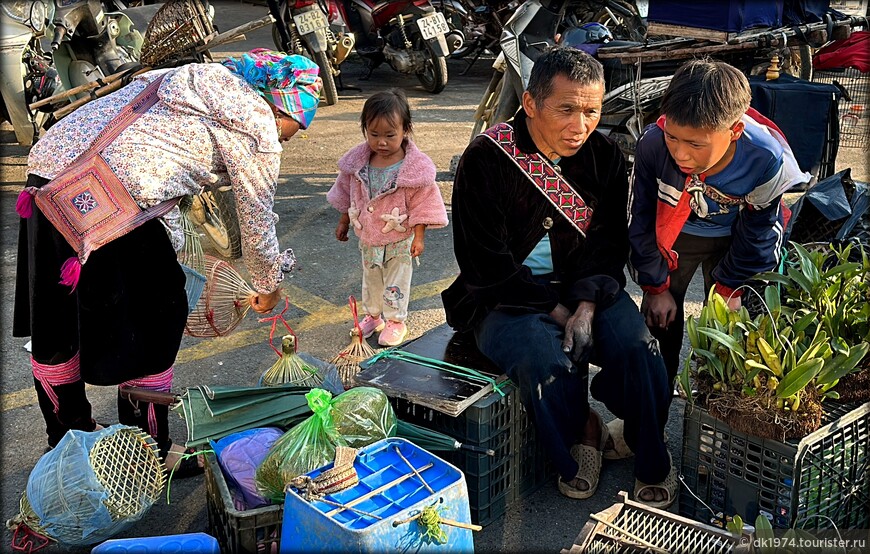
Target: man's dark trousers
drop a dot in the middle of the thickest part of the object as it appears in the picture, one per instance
(632, 382)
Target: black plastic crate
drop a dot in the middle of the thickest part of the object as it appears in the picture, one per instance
(251, 531)
(475, 464)
(502, 424)
(535, 469)
(824, 474)
(485, 514)
(480, 422)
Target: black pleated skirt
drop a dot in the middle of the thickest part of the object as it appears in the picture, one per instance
(125, 317)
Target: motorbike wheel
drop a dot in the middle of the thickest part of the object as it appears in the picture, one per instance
(221, 222)
(330, 92)
(434, 75)
(626, 28)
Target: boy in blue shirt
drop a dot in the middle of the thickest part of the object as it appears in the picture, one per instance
(707, 187)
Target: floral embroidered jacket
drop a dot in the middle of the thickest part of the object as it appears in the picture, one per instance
(412, 199)
(209, 128)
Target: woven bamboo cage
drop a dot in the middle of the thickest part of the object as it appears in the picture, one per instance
(68, 505)
(224, 303)
(128, 465)
(176, 31)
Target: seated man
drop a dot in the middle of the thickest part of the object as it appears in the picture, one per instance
(541, 282)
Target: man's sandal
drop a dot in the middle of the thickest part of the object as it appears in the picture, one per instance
(588, 459)
(669, 486)
(620, 450)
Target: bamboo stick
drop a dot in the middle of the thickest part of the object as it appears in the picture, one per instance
(414, 469)
(99, 93)
(113, 82)
(377, 491)
(225, 37)
(76, 90)
(451, 522)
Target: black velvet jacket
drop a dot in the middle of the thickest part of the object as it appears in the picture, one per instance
(499, 216)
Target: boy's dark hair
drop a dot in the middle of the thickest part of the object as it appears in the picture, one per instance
(576, 65)
(706, 94)
(391, 104)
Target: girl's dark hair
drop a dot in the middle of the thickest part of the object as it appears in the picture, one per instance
(391, 104)
(706, 94)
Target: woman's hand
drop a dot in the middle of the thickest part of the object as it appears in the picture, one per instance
(263, 303)
(660, 310)
(342, 228)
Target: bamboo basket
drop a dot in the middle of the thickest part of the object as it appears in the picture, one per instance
(176, 32)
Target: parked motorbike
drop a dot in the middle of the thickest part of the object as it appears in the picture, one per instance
(90, 43)
(301, 27)
(480, 23)
(27, 74)
(409, 35)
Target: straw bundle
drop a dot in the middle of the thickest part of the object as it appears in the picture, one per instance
(224, 303)
(175, 32)
(291, 368)
(347, 361)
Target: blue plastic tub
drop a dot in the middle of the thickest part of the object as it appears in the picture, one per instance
(200, 543)
(308, 527)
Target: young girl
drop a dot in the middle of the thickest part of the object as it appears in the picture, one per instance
(386, 189)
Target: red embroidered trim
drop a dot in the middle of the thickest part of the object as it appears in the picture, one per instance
(545, 178)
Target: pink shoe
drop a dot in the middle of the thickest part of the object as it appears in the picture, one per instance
(393, 334)
(370, 324)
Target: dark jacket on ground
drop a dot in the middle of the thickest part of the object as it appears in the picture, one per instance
(499, 216)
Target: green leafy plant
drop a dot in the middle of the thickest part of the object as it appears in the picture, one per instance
(772, 358)
(827, 289)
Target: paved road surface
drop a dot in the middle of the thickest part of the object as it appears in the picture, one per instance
(318, 291)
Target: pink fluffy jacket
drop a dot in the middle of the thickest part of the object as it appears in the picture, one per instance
(390, 216)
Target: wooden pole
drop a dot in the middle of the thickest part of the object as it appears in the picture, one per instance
(113, 82)
(451, 522)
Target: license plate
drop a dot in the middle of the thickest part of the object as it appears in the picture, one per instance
(433, 25)
(310, 21)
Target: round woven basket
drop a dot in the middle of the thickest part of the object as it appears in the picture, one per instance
(175, 32)
(127, 463)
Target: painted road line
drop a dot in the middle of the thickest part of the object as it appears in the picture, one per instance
(306, 301)
(324, 314)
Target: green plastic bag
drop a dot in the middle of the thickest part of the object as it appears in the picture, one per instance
(355, 418)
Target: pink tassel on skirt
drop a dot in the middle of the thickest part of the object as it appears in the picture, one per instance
(70, 272)
(24, 205)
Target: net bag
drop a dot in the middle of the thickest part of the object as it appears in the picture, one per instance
(223, 304)
(92, 486)
(175, 32)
